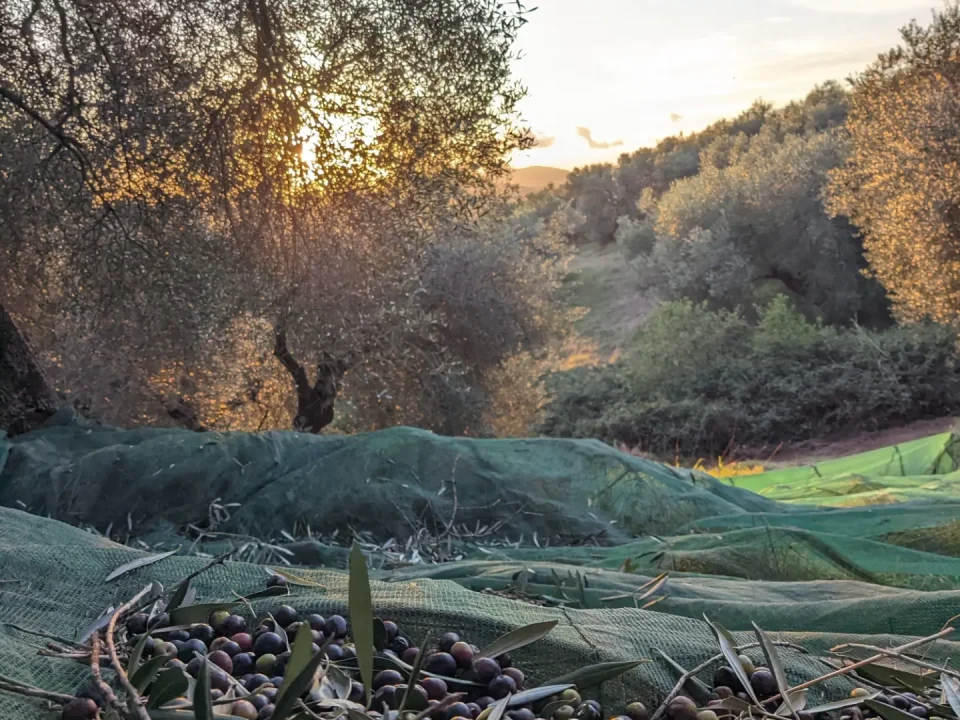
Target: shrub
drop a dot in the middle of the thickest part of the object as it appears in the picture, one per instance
(698, 382)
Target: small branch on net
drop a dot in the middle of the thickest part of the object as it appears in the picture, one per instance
(12, 686)
(870, 660)
(102, 686)
(900, 656)
(134, 701)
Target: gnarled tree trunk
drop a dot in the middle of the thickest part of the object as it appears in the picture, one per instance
(314, 401)
(26, 400)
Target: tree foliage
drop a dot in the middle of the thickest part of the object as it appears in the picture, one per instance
(901, 182)
(700, 382)
(183, 182)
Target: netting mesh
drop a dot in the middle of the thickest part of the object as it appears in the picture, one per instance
(59, 587)
(573, 523)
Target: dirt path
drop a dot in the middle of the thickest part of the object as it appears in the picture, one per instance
(816, 450)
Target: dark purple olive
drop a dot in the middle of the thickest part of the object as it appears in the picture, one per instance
(399, 645)
(447, 641)
(80, 709)
(256, 681)
(485, 701)
(441, 664)
(486, 669)
(243, 663)
(159, 621)
(276, 680)
(233, 624)
(516, 674)
(409, 655)
(219, 680)
(334, 653)
(266, 712)
(276, 581)
(244, 640)
(475, 710)
(357, 693)
(501, 686)
(386, 677)
(317, 622)
(504, 660)
(435, 687)
(919, 711)
(202, 632)
(222, 661)
(387, 695)
(727, 678)
(458, 709)
(522, 714)
(178, 635)
(284, 615)
(175, 663)
(270, 643)
(391, 628)
(193, 667)
(189, 648)
(763, 683)
(137, 623)
(462, 653)
(336, 626)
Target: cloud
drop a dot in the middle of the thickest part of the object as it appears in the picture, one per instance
(543, 141)
(594, 145)
(676, 117)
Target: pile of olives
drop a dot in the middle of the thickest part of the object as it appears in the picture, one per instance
(257, 657)
(727, 684)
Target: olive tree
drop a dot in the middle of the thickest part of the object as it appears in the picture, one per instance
(207, 203)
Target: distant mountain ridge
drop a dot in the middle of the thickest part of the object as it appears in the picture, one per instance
(537, 177)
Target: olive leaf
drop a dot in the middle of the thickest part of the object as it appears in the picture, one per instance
(139, 563)
(840, 704)
(728, 648)
(299, 656)
(361, 616)
(776, 667)
(414, 674)
(136, 654)
(193, 614)
(887, 712)
(170, 684)
(147, 672)
(797, 702)
(595, 674)
(97, 625)
(339, 681)
(896, 677)
(516, 639)
(389, 662)
(179, 595)
(539, 693)
(296, 687)
(295, 579)
(698, 691)
(499, 708)
(202, 701)
(951, 692)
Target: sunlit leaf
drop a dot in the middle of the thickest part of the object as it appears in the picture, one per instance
(776, 667)
(296, 579)
(951, 692)
(592, 675)
(516, 639)
(728, 648)
(139, 563)
(300, 656)
(170, 683)
(361, 616)
(136, 654)
(202, 701)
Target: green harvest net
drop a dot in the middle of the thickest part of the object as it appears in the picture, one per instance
(573, 524)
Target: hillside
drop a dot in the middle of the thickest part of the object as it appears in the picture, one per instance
(537, 177)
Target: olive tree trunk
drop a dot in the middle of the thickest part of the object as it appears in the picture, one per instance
(26, 400)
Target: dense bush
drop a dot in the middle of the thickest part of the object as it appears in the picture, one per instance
(698, 382)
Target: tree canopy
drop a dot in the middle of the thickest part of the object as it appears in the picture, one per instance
(900, 183)
(198, 192)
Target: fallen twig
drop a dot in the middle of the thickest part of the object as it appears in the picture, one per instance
(134, 701)
(13, 686)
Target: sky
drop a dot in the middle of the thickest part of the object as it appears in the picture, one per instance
(609, 76)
